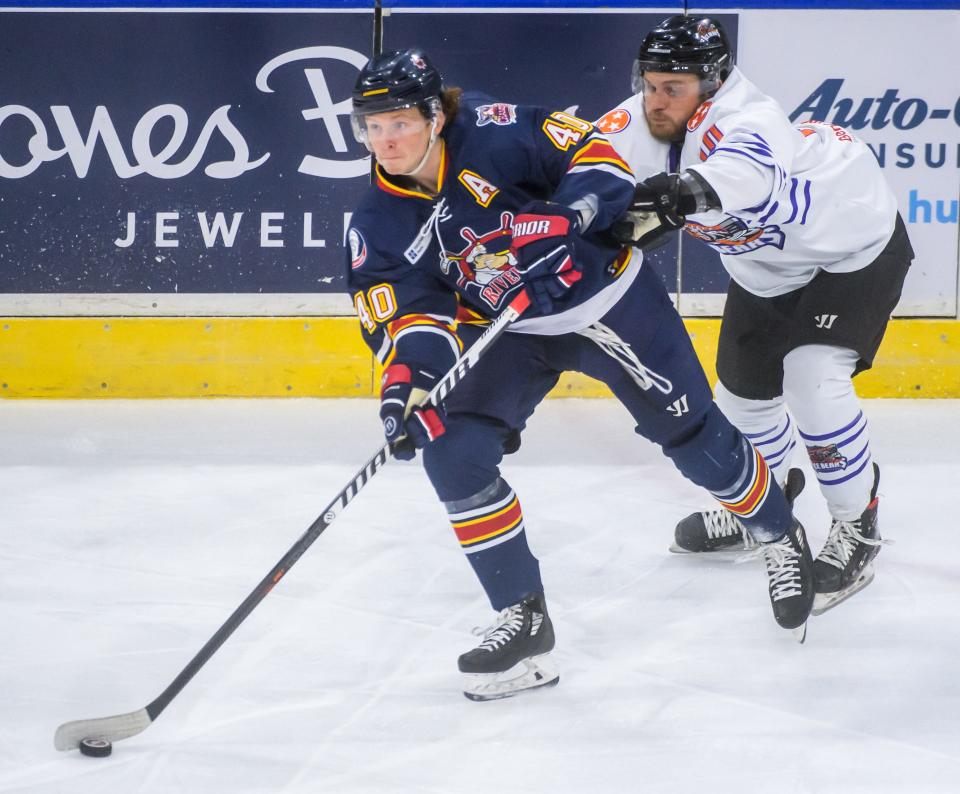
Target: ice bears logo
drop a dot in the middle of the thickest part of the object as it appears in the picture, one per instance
(486, 268)
(499, 113)
(358, 248)
(826, 459)
(734, 237)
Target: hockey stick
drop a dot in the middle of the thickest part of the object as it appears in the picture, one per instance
(121, 726)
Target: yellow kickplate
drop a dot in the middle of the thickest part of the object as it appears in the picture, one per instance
(88, 357)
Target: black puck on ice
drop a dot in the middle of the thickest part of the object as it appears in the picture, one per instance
(96, 748)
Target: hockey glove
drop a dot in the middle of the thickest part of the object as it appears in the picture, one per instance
(660, 206)
(408, 425)
(544, 242)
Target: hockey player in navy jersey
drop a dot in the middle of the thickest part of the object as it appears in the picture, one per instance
(809, 231)
(472, 202)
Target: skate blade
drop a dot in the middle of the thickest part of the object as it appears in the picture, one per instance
(533, 673)
(800, 633)
(730, 553)
(822, 602)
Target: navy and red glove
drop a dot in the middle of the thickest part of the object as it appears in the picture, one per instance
(545, 237)
(407, 424)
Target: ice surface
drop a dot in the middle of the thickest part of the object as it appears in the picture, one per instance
(130, 530)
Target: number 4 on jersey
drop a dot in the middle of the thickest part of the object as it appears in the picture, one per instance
(565, 130)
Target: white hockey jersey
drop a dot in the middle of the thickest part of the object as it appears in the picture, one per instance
(796, 199)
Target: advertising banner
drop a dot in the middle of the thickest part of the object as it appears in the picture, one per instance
(213, 172)
(889, 77)
(177, 163)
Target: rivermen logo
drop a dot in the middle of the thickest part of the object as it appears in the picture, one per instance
(485, 268)
(734, 237)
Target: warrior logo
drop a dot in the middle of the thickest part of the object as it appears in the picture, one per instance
(679, 407)
(825, 320)
(499, 113)
(486, 268)
(827, 459)
(734, 237)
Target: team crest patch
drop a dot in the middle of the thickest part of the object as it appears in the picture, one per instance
(358, 248)
(698, 116)
(734, 237)
(499, 113)
(486, 268)
(616, 120)
(827, 459)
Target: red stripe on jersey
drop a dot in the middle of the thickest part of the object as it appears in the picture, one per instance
(416, 319)
(599, 151)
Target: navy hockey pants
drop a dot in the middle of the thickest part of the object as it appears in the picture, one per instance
(492, 404)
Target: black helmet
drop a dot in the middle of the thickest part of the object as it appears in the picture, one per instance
(691, 45)
(393, 81)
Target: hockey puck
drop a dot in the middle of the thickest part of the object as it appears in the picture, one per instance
(96, 748)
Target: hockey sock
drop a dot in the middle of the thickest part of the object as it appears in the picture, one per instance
(489, 526)
(463, 468)
(766, 423)
(819, 390)
(719, 458)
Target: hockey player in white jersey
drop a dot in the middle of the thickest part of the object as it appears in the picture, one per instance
(809, 231)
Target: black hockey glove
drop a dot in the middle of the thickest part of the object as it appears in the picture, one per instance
(660, 206)
(407, 425)
(545, 236)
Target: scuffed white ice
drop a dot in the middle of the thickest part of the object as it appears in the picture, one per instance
(130, 530)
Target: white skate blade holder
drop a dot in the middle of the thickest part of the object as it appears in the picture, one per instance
(825, 601)
(532, 673)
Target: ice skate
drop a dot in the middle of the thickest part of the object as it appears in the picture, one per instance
(720, 530)
(845, 565)
(514, 655)
(790, 573)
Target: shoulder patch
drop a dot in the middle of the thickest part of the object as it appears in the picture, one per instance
(698, 116)
(615, 120)
(499, 113)
(358, 248)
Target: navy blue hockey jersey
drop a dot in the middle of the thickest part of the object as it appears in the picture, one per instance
(418, 264)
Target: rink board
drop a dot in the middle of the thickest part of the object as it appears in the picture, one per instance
(90, 357)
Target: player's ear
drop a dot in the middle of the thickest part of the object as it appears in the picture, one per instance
(441, 121)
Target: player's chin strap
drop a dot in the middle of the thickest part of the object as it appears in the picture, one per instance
(616, 348)
(433, 139)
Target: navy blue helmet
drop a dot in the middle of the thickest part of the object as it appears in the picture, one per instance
(393, 81)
